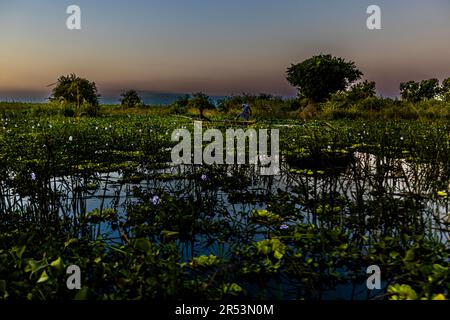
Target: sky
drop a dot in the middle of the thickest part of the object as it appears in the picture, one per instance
(218, 47)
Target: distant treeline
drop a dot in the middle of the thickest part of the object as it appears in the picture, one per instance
(341, 105)
(328, 88)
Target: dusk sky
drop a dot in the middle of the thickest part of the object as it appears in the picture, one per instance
(219, 47)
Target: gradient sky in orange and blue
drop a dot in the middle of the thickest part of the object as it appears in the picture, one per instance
(219, 47)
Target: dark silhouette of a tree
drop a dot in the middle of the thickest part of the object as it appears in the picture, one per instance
(76, 90)
(202, 102)
(130, 99)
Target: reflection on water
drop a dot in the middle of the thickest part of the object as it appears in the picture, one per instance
(365, 195)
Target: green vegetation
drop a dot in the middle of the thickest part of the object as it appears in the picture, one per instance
(130, 99)
(320, 76)
(364, 181)
(351, 194)
(73, 93)
(202, 102)
(413, 91)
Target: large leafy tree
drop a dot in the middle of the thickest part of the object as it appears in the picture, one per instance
(76, 90)
(320, 76)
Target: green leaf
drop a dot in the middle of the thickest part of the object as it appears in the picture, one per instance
(394, 254)
(57, 264)
(205, 261)
(169, 234)
(69, 242)
(82, 294)
(409, 255)
(34, 266)
(438, 268)
(232, 288)
(143, 245)
(43, 277)
(278, 255)
(3, 292)
(19, 251)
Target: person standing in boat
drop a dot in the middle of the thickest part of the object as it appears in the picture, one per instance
(245, 112)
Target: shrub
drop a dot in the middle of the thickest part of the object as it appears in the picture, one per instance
(180, 105)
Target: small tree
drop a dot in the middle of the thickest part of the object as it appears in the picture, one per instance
(74, 89)
(445, 89)
(320, 76)
(429, 89)
(202, 102)
(409, 91)
(181, 104)
(130, 99)
(362, 91)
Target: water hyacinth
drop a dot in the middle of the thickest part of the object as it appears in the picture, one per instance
(264, 240)
(156, 200)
